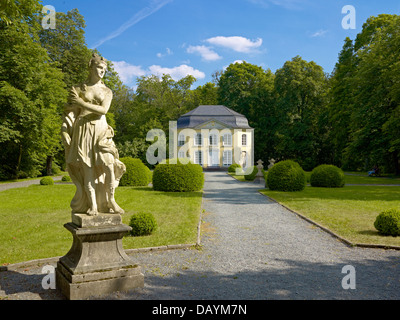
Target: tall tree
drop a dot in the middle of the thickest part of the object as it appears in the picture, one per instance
(374, 120)
(248, 89)
(341, 101)
(31, 90)
(66, 46)
(301, 92)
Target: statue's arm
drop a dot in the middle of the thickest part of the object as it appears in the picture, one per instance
(99, 109)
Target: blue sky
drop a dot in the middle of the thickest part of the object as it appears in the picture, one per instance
(199, 37)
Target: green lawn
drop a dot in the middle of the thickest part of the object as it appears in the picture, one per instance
(32, 219)
(350, 212)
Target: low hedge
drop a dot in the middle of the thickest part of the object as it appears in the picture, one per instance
(232, 168)
(47, 181)
(178, 177)
(286, 176)
(252, 175)
(388, 223)
(136, 175)
(327, 176)
(142, 224)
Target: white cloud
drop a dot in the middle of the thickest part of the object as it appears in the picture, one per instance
(177, 73)
(168, 53)
(234, 62)
(238, 44)
(128, 72)
(319, 33)
(206, 53)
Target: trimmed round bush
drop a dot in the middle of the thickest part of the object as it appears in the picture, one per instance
(47, 181)
(142, 224)
(232, 168)
(327, 176)
(178, 177)
(252, 175)
(286, 176)
(136, 175)
(66, 179)
(388, 223)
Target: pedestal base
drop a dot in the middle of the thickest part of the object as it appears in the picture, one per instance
(96, 263)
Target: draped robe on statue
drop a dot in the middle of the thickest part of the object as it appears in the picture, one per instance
(91, 145)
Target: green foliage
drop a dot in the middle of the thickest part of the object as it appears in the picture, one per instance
(142, 224)
(137, 174)
(66, 179)
(178, 177)
(31, 91)
(249, 90)
(388, 222)
(232, 168)
(286, 176)
(301, 88)
(252, 175)
(47, 181)
(265, 174)
(328, 176)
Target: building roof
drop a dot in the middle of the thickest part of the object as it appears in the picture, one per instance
(222, 114)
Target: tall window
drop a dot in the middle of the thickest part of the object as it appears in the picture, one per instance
(198, 157)
(198, 139)
(227, 161)
(181, 154)
(181, 140)
(213, 140)
(244, 140)
(227, 140)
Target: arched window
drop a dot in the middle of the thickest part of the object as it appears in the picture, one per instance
(198, 139)
(227, 140)
(213, 140)
(181, 140)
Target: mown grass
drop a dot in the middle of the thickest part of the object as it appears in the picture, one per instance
(32, 219)
(350, 212)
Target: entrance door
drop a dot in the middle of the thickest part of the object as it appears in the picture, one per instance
(213, 158)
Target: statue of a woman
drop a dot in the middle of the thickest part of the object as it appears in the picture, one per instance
(91, 156)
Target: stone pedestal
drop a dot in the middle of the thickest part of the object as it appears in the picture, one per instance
(96, 263)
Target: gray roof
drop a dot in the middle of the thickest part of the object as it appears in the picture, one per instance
(222, 114)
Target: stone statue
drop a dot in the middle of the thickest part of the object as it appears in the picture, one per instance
(91, 156)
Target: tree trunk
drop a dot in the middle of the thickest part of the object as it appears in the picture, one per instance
(396, 164)
(49, 166)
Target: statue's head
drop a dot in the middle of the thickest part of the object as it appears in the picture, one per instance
(98, 65)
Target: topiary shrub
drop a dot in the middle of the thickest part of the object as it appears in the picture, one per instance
(66, 179)
(142, 224)
(47, 181)
(388, 222)
(136, 175)
(252, 175)
(178, 177)
(232, 168)
(286, 176)
(328, 176)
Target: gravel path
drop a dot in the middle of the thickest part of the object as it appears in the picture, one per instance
(22, 184)
(253, 249)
